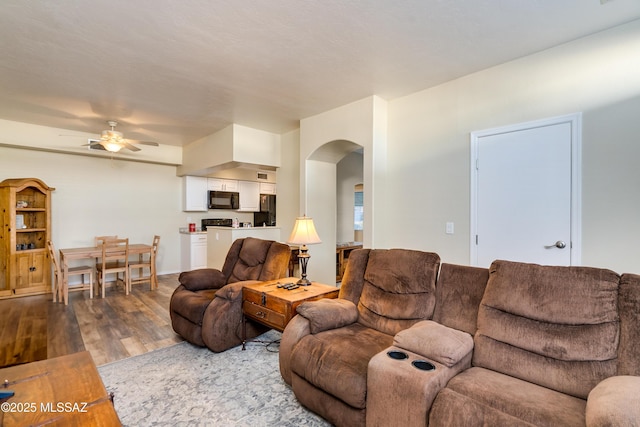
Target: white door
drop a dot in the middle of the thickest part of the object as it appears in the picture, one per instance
(525, 203)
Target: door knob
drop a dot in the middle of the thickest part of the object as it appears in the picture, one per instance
(559, 244)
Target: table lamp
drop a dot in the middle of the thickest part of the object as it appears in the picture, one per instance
(303, 234)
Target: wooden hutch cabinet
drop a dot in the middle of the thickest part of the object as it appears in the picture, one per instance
(25, 211)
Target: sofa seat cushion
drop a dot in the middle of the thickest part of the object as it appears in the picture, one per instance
(191, 305)
(336, 361)
(479, 396)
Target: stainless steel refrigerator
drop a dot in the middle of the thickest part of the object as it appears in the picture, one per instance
(267, 214)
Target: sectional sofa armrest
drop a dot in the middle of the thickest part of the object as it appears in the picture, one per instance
(201, 279)
(614, 402)
(233, 291)
(222, 320)
(436, 342)
(296, 329)
(328, 314)
(401, 387)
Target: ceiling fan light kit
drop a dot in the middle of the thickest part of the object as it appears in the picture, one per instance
(113, 141)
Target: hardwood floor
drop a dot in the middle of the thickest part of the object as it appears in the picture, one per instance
(113, 328)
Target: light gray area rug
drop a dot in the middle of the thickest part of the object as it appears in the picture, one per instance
(185, 385)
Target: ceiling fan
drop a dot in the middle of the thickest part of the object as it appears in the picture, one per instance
(113, 141)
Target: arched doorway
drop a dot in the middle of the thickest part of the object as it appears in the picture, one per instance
(322, 182)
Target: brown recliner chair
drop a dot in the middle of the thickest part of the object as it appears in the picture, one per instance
(325, 350)
(206, 309)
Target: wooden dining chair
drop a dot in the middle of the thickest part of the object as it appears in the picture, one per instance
(100, 239)
(143, 264)
(98, 243)
(60, 290)
(114, 260)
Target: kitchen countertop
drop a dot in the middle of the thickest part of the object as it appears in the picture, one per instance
(192, 232)
(215, 227)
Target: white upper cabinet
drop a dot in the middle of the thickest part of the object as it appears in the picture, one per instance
(217, 184)
(267, 188)
(249, 196)
(195, 193)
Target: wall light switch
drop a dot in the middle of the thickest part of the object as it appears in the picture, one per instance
(449, 228)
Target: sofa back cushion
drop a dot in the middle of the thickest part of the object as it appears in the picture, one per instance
(398, 289)
(557, 327)
(629, 307)
(458, 294)
(256, 259)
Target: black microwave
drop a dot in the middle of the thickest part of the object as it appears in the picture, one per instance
(224, 200)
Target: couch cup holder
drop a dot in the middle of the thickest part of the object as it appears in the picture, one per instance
(423, 365)
(397, 355)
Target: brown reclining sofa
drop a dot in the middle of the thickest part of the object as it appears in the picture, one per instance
(513, 345)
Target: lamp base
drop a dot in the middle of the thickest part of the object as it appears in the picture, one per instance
(303, 282)
(303, 256)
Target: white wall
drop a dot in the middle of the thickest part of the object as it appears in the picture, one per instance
(428, 146)
(416, 162)
(96, 196)
(102, 196)
(324, 140)
(611, 186)
(288, 198)
(349, 174)
(416, 157)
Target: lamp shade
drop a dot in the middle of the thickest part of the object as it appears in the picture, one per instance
(304, 232)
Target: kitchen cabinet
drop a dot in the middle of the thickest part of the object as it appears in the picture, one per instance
(217, 184)
(195, 194)
(267, 188)
(249, 196)
(193, 249)
(25, 212)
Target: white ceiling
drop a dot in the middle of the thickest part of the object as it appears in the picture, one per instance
(175, 71)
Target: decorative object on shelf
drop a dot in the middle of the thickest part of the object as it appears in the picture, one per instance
(303, 234)
(20, 222)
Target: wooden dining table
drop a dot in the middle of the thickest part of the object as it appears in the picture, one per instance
(91, 252)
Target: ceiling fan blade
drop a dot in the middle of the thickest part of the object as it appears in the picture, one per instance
(93, 143)
(130, 147)
(154, 144)
(115, 137)
(72, 136)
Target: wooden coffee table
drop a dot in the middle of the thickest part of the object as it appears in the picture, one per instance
(64, 391)
(273, 306)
